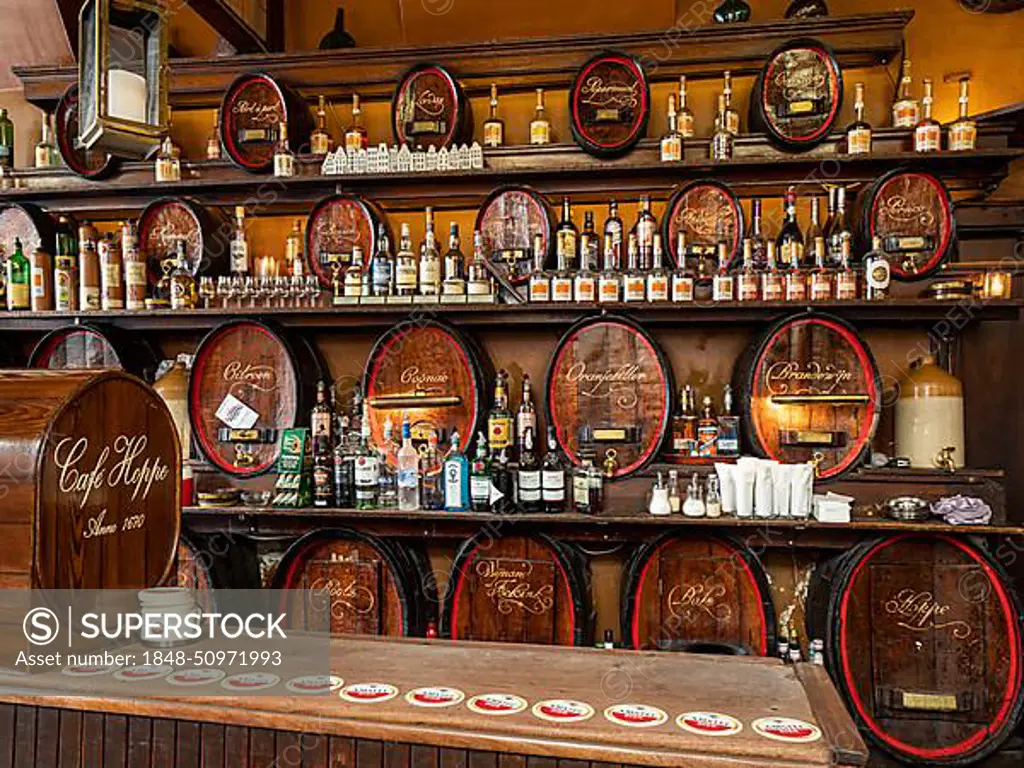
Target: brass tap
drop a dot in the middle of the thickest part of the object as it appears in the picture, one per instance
(944, 459)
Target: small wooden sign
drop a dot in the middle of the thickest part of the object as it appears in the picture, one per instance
(609, 104)
(430, 109)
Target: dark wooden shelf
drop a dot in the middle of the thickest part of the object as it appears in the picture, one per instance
(860, 40)
(889, 311)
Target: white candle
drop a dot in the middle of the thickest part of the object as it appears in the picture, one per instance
(126, 95)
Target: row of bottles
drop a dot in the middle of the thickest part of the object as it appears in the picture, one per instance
(704, 432)
(907, 112)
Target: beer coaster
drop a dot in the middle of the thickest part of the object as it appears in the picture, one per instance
(193, 677)
(368, 693)
(635, 715)
(787, 729)
(143, 672)
(435, 696)
(9, 672)
(88, 670)
(709, 723)
(250, 681)
(314, 684)
(496, 704)
(563, 710)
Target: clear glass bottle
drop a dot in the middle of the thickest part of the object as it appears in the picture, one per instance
(213, 140)
(480, 476)
(540, 280)
(526, 416)
(795, 281)
(614, 236)
(682, 277)
(841, 229)
(19, 278)
(494, 126)
(356, 135)
(381, 266)
(609, 283)
(722, 140)
(353, 278)
(693, 506)
(566, 250)
(387, 479)
(877, 272)
(456, 478)
(749, 281)
(728, 443)
(366, 468)
(657, 278)
(928, 131)
(685, 119)
(585, 281)
(634, 283)
(239, 245)
(905, 110)
(553, 474)
(168, 162)
(454, 264)
(772, 278)
(713, 500)
(790, 240)
(814, 230)
(293, 250)
(284, 160)
(644, 229)
(675, 501)
(722, 284)
(858, 135)
(672, 141)
(707, 428)
(408, 471)
(405, 264)
(46, 154)
(755, 234)
(820, 281)
(732, 117)
(320, 140)
(183, 284)
(540, 127)
(528, 475)
(431, 477)
(430, 259)
(963, 133)
(846, 275)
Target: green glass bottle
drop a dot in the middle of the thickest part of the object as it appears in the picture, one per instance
(6, 140)
(18, 279)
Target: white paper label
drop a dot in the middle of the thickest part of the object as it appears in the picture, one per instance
(236, 414)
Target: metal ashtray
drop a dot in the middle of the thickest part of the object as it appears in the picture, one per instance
(256, 498)
(908, 508)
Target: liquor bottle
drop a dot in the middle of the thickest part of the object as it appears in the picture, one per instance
(609, 286)
(858, 135)
(321, 427)
(540, 280)
(454, 275)
(133, 268)
(430, 260)
(728, 426)
(408, 471)
(749, 281)
(293, 250)
(755, 234)
(721, 141)
(927, 132)
(526, 416)
(323, 476)
(845, 275)
(772, 278)
(479, 282)
(499, 420)
(905, 113)
(613, 236)
(566, 236)
(582, 497)
(344, 475)
(320, 140)
(834, 241)
(814, 230)
(284, 160)
(682, 277)
(354, 276)
(387, 480)
(553, 476)
(645, 227)
(456, 478)
(213, 139)
(528, 475)
(732, 117)
(679, 446)
(963, 134)
(46, 153)
(88, 268)
(722, 287)
(820, 281)
(405, 264)
(877, 272)
(183, 284)
(480, 476)
(795, 282)
(634, 283)
(6, 141)
(381, 273)
(41, 291)
(707, 429)
(431, 477)
(321, 417)
(675, 502)
(65, 274)
(685, 119)
(790, 240)
(540, 128)
(111, 274)
(585, 283)
(672, 141)
(502, 490)
(356, 136)
(367, 468)
(494, 126)
(338, 37)
(19, 277)
(239, 245)
(657, 278)
(168, 162)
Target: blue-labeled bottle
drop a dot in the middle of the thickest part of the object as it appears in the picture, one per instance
(456, 478)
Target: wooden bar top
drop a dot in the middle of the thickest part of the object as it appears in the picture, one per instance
(747, 689)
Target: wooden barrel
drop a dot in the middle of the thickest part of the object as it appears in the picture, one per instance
(609, 378)
(798, 95)
(335, 225)
(923, 640)
(216, 561)
(93, 495)
(810, 392)
(609, 104)
(518, 588)
(913, 214)
(690, 591)
(508, 220)
(251, 112)
(708, 212)
(94, 346)
(247, 367)
(430, 109)
(88, 163)
(167, 220)
(28, 223)
(360, 584)
(433, 373)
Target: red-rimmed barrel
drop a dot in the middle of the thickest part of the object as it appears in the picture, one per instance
(432, 373)
(508, 220)
(707, 212)
(609, 104)
(798, 95)
(262, 380)
(88, 163)
(28, 223)
(704, 593)
(911, 211)
(518, 588)
(335, 225)
(923, 640)
(811, 392)
(94, 346)
(349, 582)
(429, 108)
(167, 220)
(251, 113)
(610, 382)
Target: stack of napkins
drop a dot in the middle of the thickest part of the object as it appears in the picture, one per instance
(832, 507)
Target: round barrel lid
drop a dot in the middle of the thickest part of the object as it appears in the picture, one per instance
(707, 212)
(162, 224)
(89, 163)
(508, 220)
(609, 104)
(28, 223)
(428, 108)
(335, 225)
(253, 108)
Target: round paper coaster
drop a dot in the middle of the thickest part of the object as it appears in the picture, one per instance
(250, 681)
(497, 704)
(143, 672)
(87, 671)
(563, 710)
(191, 677)
(314, 684)
(787, 729)
(709, 723)
(368, 693)
(435, 696)
(635, 715)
